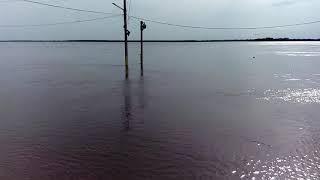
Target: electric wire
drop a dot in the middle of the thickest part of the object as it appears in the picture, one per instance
(225, 28)
(64, 7)
(58, 23)
(176, 25)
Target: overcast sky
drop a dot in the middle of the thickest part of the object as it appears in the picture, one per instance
(211, 13)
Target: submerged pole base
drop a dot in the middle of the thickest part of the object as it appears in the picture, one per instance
(141, 67)
(127, 67)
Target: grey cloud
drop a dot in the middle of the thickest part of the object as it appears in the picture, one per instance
(288, 2)
(210, 13)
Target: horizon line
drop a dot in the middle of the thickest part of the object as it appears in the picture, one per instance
(186, 40)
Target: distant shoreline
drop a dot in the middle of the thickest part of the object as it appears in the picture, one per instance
(234, 40)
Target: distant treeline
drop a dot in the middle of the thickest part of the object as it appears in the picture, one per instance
(282, 39)
(232, 40)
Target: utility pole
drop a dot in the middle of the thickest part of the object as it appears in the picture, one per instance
(126, 34)
(143, 26)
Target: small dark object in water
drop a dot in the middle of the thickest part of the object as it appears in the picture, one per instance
(253, 57)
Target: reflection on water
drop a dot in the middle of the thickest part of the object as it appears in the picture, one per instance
(131, 108)
(296, 54)
(199, 112)
(306, 96)
(127, 104)
(290, 167)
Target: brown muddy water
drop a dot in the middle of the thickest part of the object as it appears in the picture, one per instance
(202, 111)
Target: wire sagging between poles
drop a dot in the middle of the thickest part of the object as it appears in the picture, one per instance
(58, 23)
(224, 28)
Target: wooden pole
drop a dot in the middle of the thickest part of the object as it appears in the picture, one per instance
(126, 37)
(143, 26)
(141, 55)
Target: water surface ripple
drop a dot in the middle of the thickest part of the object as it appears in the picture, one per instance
(202, 111)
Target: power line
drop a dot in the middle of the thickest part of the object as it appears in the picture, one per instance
(59, 23)
(177, 25)
(225, 28)
(67, 8)
(6, 1)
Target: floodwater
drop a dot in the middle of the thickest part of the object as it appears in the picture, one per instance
(233, 110)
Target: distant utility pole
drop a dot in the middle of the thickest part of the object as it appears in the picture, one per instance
(126, 34)
(143, 26)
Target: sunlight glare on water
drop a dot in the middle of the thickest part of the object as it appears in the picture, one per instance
(309, 95)
(290, 167)
(294, 53)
